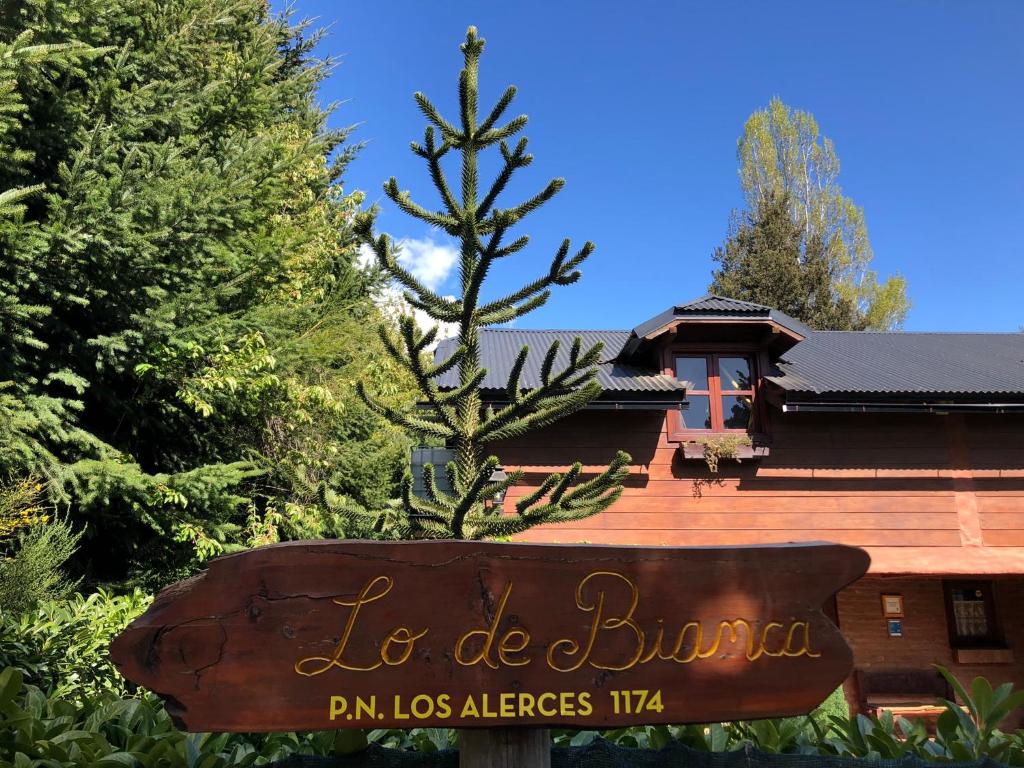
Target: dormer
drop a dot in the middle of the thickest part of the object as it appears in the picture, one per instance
(715, 318)
(720, 349)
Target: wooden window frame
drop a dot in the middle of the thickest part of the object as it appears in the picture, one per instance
(758, 362)
(994, 639)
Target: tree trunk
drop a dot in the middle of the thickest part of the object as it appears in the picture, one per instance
(504, 748)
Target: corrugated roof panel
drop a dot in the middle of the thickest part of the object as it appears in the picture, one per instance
(711, 303)
(825, 362)
(499, 348)
(718, 308)
(834, 362)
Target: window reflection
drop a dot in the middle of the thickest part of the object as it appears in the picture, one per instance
(720, 391)
(734, 373)
(698, 414)
(736, 411)
(693, 370)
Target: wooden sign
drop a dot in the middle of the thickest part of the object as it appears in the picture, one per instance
(357, 634)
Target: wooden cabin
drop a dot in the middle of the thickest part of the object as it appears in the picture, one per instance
(910, 445)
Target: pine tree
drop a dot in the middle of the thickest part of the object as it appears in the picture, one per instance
(182, 314)
(28, 417)
(765, 260)
(459, 416)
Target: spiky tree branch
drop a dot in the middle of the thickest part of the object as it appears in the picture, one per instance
(458, 415)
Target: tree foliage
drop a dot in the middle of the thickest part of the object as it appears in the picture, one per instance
(34, 546)
(458, 416)
(765, 260)
(783, 156)
(182, 313)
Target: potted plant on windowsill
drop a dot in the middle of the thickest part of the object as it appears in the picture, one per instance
(712, 448)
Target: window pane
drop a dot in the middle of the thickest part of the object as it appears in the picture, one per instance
(734, 373)
(698, 415)
(693, 370)
(736, 411)
(969, 613)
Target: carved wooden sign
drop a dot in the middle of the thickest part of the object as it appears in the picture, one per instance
(357, 634)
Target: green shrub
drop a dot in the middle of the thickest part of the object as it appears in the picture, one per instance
(61, 645)
(62, 703)
(33, 547)
(109, 730)
(965, 732)
(834, 706)
(35, 570)
(972, 730)
(20, 507)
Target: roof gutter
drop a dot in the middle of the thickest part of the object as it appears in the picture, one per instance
(624, 404)
(603, 405)
(635, 405)
(826, 406)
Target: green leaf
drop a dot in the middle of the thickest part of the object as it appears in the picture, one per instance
(348, 742)
(10, 685)
(116, 759)
(981, 698)
(957, 686)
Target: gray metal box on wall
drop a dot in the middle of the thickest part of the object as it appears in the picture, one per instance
(439, 457)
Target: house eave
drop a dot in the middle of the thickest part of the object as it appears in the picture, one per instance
(900, 405)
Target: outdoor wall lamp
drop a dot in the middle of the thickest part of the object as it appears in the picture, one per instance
(497, 476)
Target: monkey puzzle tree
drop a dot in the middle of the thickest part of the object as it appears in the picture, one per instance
(459, 416)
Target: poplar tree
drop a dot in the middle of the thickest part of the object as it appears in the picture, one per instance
(459, 416)
(782, 155)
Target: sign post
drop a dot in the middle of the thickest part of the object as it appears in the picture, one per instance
(359, 634)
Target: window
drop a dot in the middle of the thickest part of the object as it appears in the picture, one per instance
(970, 610)
(721, 392)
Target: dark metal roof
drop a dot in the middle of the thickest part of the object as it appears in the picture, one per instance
(719, 308)
(712, 303)
(500, 346)
(825, 364)
(892, 364)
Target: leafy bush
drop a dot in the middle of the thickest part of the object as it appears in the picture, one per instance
(964, 732)
(20, 507)
(834, 706)
(61, 646)
(62, 703)
(109, 730)
(972, 730)
(34, 546)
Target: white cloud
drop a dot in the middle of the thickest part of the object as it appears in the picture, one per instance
(431, 263)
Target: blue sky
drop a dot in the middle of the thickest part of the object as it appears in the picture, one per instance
(638, 106)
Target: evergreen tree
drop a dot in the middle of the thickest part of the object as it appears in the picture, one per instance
(183, 317)
(764, 260)
(782, 153)
(459, 416)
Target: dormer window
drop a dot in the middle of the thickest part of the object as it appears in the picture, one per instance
(720, 395)
(722, 348)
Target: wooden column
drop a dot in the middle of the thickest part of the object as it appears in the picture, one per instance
(504, 748)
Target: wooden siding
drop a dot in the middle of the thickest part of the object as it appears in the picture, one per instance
(923, 493)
